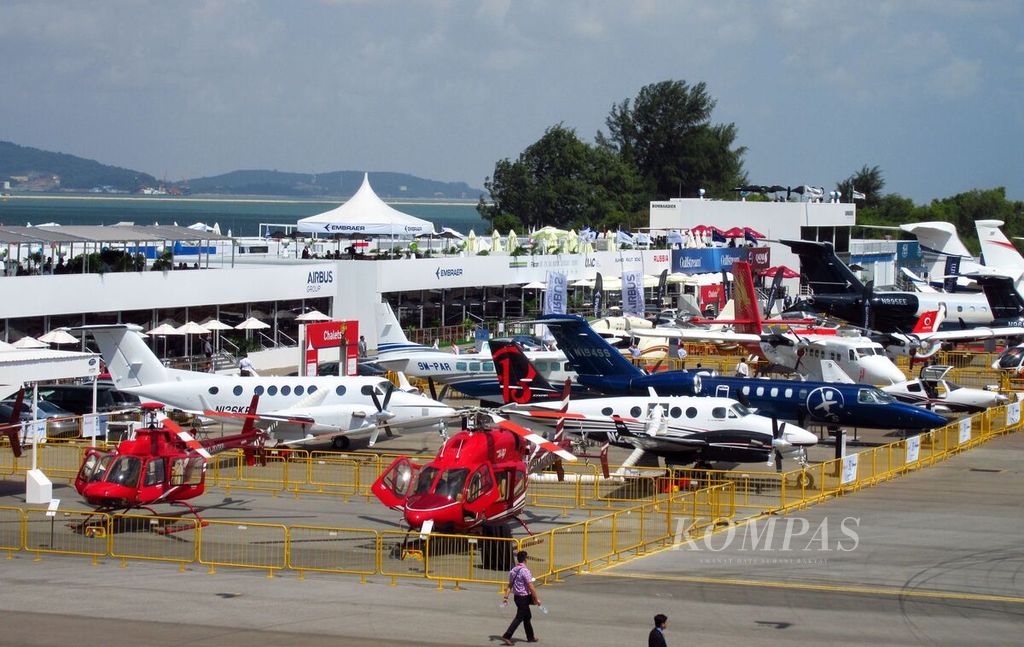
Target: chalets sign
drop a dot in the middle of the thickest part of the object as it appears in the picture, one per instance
(332, 334)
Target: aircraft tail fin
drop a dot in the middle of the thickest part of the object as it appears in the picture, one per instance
(825, 272)
(832, 372)
(930, 321)
(392, 339)
(745, 299)
(996, 250)
(520, 381)
(918, 283)
(130, 361)
(588, 352)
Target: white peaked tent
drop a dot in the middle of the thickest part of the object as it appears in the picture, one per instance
(365, 213)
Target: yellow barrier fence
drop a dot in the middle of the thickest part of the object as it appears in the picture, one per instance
(333, 550)
(244, 545)
(11, 523)
(67, 532)
(147, 537)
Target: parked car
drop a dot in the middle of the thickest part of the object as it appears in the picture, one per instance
(77, 398)
(60, 423)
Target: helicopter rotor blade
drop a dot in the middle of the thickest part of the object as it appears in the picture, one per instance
(193, 444)
(536, 439)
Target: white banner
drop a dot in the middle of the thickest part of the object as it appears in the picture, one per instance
(913, 449)
(965, 430)
(1013, 413)
(33, 431)
(633, 293)
(557, 294)
(849, 469)
(89, 427)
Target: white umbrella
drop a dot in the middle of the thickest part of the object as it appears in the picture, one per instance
(513, 240)
(312, 315)
(215, 324)
(495, 241)
(192, 328)
(29, 342)
(535, 285)
(164, 329)
(59, 336)
(471, 242)
(252, 323)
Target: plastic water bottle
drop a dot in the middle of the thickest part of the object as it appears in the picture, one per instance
(543, 609)
(504, 604)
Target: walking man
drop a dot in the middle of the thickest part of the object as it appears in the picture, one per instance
(657, 636)
(362, 346)
(520, 584)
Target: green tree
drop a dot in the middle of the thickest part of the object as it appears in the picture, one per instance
(869, 181)
(563, 181)
(666, 133)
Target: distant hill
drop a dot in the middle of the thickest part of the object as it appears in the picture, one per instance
(75, 173)
(32, 169)
(335, 183)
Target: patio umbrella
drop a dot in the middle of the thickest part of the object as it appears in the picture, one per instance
(163, 330)
(216, 326)
(513, 241)
(312, 315)
(471, 242)
(29, 342)
(188, 329)
(252, 323)
(495, 241)
(59, 336)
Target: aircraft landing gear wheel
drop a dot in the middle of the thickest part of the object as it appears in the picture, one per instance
(340, 443)
(804, 479)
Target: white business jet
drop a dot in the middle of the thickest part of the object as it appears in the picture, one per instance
(299, 409)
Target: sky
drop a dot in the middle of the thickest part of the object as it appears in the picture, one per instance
(931, 92)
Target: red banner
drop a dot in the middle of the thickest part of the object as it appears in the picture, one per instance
(759, 258)
(711, 295)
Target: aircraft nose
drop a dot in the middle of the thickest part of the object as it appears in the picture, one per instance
(799, 437)
(880, 370)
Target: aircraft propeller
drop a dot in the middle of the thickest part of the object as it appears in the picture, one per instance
(383, 415)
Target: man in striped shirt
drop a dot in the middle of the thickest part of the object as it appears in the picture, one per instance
(520, 584)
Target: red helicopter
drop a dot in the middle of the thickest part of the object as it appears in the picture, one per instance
(477, 481)
(160, 463)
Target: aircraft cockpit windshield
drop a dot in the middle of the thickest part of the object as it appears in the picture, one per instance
(125, 470)
(874, 396)
(1011, 358)
(740, 410)
(451, 482)
(424, 480)
(867, 351)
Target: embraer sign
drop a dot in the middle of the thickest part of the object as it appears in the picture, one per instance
(446, 272)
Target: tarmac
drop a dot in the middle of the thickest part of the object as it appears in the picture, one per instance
(934, 556)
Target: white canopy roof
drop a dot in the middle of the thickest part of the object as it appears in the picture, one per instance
(365, 213)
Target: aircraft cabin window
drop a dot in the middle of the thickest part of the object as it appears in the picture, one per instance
(635, 412)
(775, 391)
(746, 390)
(237, 390)
(914, 387)
(155, 471)
(474, 367)
(959, 308)
(789, 393)
(299, 389)
(489, 367)
(542, 367)
(460, 366)
(802, 393)
(691, 412)
(568, 367)
(760, 391)
(675, 412)
(607, 411)
(340, 390)
(718, 412)
(285, 390)
(311, 390)
(258, 390)
(853, 356)
(214, 390)
(271, 390)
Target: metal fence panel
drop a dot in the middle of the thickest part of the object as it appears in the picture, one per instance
(243, 544)
(68, 532)
(165, 539)
(333, 550)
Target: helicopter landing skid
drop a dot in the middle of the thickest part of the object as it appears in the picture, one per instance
(523, 524)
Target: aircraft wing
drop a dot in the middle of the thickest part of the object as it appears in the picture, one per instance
(699, 335)
(971, 334)
(832, 372)
(663, 442)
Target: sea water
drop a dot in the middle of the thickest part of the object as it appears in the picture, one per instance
(242, 216)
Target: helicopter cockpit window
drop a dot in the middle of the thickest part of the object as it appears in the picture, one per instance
(1011, 358)
(399, 480)
(425, 480)
(154, 471)
(125, 470)
(520, 487)
(451, 483)
(478, 484)
(94, 467)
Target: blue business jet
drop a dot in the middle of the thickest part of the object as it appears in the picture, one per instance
(601, 368)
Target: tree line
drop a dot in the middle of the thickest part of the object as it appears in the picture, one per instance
(663, 144)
